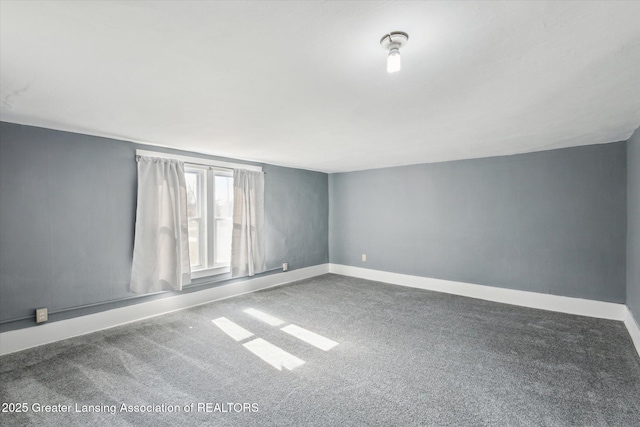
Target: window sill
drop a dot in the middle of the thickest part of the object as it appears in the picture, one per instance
(210, 272)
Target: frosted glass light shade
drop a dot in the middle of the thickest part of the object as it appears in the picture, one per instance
(393, 61)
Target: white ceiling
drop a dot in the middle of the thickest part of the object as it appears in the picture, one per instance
(304, 84)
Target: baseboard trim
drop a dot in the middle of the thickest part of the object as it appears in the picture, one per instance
(633, 328)
(22, 339)
(582, 307)
(12, 341)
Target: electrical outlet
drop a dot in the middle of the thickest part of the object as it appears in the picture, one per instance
(364, 257)
(42, 315)
(285, 266)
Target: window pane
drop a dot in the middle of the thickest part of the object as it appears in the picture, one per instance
(224, 228)
(194, 242)
(193, 192)
(224, 197)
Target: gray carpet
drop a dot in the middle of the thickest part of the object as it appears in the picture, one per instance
(405, 357)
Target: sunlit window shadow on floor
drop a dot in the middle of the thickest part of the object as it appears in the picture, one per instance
(309, 337)
(266, 318)
(235, 331)
(273, 355)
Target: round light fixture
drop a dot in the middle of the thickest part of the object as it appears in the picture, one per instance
(393, 42)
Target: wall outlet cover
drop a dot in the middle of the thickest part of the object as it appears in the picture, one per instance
(285, 266)
(42, 315)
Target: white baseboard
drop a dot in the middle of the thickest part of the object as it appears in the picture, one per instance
(633, 328)
(582, 307)
(22, 339)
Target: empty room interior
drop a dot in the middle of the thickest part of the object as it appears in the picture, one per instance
(320, 213)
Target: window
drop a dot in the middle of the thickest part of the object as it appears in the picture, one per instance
(210, 210)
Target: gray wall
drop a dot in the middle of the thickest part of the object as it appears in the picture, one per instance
(67, 215)
(297, 217)
(633, 226)
(550, 222)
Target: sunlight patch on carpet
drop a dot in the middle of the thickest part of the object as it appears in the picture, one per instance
(309, 337)
(232, 329)
(273, 355)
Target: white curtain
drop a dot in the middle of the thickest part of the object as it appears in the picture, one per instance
(247, 248)
(161, 245)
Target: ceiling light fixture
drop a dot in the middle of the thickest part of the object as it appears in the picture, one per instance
(393, 42)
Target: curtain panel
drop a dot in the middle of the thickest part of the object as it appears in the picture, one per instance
(247, 248)
(161, 244)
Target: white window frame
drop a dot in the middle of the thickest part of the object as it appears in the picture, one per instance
(202, 198)
(211, 218)
(208, 229)
(210, 169)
